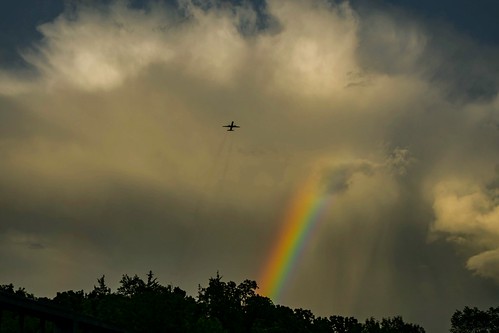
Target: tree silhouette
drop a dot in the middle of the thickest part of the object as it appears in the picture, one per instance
(143, 306)
(71, 300)
(101, 290)
(473, 320)
(396, 324)
(11, 321)
(21, 292)
(131, 286)
(225, 300)
(151, 307)
(340, 324)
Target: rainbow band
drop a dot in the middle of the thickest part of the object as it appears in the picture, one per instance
(303, 215)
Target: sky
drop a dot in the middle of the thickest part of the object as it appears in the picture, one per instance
(114, 158)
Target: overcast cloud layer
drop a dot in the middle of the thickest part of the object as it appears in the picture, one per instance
(114, 159)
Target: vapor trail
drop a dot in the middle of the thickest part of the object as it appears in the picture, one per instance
(208, 176)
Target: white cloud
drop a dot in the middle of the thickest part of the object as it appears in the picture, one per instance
(485, 264)
(469, 215)
(314, 53)
(92, 49)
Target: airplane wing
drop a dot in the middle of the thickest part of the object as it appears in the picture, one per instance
(231, 126)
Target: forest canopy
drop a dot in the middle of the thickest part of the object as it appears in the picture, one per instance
(144, 305)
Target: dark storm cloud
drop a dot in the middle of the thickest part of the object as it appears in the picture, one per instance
(18, 24)
(399, 43)
(115, 161)
(476, 20)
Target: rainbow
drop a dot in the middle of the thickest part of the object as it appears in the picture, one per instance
(301, 218)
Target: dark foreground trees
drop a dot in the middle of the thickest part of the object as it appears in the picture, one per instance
(146, 306)
(473, 320)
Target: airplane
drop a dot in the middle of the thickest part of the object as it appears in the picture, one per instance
(231, 126)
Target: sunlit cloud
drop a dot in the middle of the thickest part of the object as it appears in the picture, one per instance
(468, 214)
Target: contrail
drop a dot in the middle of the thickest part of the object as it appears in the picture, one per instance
(208, 176)
(227, 161)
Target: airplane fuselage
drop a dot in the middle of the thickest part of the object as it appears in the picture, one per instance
(231, 126)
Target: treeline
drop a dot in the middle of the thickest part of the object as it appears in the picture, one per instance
(147, 306)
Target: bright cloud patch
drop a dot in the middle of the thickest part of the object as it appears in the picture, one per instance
(469, 215)
(114, 138)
